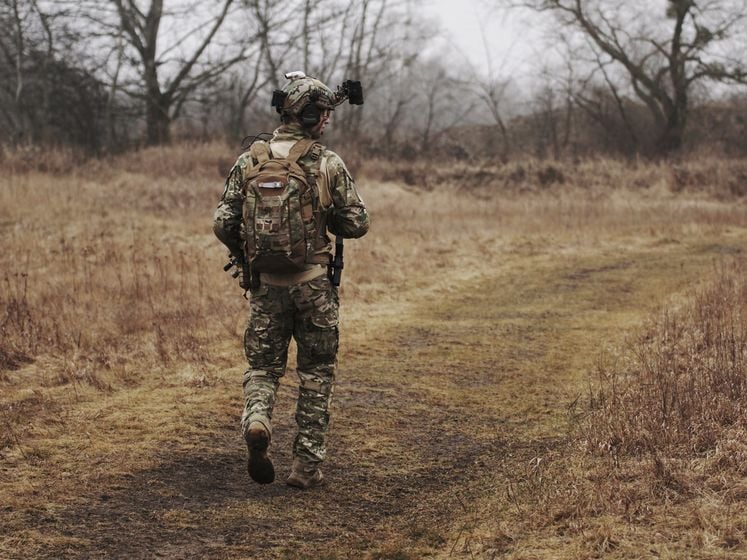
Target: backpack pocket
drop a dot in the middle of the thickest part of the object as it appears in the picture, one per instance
(276, 240)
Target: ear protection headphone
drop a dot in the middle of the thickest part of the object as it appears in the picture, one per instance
(310, 115)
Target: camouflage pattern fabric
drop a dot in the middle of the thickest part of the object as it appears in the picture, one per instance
(347, 216)
(308, 312)
(299, 91)
(281, 227)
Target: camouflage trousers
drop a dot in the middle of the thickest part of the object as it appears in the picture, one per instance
(309, 313)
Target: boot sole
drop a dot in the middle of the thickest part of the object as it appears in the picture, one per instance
(260, 466)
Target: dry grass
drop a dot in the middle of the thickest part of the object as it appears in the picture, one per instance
(679, 387)
(82, 279)
(655, 464)
(484, 299)
(101, 259)
(711, 176)
(125, 242)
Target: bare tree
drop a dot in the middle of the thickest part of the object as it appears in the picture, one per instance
(381, 39)
(248, 88)
(663, 55)
(604, 103)
(492, 90)
(170, 74)
(443, 102)
(277, 33)
(46, 92)
(492, 86)
(325, 26)
(391, 115)
(547, 125)
(27, 34)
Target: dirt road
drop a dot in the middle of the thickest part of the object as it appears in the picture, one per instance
(442, 401)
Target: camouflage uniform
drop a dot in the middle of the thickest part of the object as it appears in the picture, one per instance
(303, 305)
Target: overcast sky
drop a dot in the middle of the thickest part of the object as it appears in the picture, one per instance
(507, 36)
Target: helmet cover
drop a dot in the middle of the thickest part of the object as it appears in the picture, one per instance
(302, 90)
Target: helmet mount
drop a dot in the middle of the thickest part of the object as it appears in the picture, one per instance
(305, 97)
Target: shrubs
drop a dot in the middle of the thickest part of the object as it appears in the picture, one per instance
(31, 158)
(717, 177)
(657, 462)
(211, 160)
(100, 274)
(16, 323)
(681, 386)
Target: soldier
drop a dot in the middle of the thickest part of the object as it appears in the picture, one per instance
(299, 299)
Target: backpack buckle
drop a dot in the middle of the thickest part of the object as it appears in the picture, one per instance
(316, 152)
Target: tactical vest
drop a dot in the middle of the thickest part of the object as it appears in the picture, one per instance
(284, 221)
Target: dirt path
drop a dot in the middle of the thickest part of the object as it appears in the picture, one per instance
(436, 409)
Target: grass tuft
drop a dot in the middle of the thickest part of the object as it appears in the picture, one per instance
(680, 387)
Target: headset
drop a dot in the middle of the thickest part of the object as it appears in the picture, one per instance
(311, 114)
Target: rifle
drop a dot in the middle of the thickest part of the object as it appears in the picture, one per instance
(243, 271)
(334, 271)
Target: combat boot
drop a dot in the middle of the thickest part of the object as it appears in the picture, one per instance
(304, 475)
(260, 466)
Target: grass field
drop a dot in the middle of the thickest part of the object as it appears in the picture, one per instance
(520, 373)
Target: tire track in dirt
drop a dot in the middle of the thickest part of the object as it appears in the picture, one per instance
(435, 411)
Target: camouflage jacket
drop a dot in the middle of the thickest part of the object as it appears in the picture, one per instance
(346, 215)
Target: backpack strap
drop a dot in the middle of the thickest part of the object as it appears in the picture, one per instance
(318, 225)
(260, 152)
(325, 194)
(301, 148)
(317, 171)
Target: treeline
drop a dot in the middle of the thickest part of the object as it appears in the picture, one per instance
(616, 78)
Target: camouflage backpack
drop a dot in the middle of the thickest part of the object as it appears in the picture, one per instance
(284, 223)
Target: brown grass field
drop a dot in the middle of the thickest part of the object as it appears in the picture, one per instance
(538, 361)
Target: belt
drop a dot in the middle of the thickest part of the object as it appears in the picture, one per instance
(293, 278)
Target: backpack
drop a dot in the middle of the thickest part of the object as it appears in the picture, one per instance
(284, 222)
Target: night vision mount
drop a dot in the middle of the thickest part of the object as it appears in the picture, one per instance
(352, 90)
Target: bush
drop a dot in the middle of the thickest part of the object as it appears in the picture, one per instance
(681, 385)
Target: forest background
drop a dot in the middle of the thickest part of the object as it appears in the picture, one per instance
(594, 77)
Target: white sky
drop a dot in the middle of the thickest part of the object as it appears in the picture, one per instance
(508, 38)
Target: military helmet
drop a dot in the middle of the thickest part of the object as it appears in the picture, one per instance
(303, 94)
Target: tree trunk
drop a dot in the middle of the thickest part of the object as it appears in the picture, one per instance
(158, 121)
(157, 105)
(159, 126)
(670, 139)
